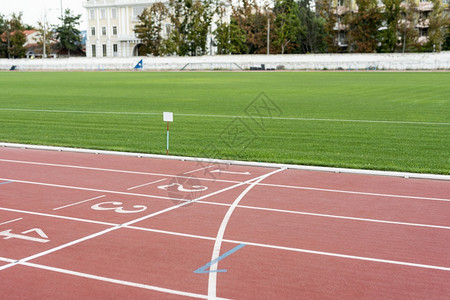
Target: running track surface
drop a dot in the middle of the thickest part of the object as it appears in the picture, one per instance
(103, 226)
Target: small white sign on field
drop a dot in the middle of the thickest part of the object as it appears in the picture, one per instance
(168, 116)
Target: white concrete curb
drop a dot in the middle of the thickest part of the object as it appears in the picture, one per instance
(234, 162)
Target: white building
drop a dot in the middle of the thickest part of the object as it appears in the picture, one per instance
(111, 23)
(110, 29)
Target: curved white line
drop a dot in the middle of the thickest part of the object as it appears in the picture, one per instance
(212, 280)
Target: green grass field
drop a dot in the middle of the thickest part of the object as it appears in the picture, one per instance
(123, 111)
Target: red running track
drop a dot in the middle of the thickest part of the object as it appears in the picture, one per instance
(92, 226)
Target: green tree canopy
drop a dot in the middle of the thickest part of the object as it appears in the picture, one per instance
(364, 25)
(12, 37)
(391, 18)
(151, 27)
(68, 35)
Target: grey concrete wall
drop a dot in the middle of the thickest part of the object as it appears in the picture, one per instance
(397, 61)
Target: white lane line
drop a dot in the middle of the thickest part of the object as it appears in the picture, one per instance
(241, 242)
(225, 116)
(77, 241)
(115, 227)
(106, 170)
(189, 172)
(378, 260)
(247, 182)
(57, 216)
(228, 181)
(7, 222)
(339, 255)
(351, 192)
(212, 279)
(8, 260)
(341, 217)
(115, 281)
(97, 190)
(145, 184)
(76, 203)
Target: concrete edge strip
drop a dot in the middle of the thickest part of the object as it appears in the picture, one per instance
(233, 162)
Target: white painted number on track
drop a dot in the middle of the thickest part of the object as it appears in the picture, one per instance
(8, 235)
(117, 208)
(181, 188)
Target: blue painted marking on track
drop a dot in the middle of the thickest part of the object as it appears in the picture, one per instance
(203, 269)
(6, 182)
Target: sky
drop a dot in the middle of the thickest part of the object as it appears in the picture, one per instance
(35, 10)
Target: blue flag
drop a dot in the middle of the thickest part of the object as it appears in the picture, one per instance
(140, 65)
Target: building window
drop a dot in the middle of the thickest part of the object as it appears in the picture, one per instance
(103, 13)
(92, 14)
(114, 30)
(94, 54)
(93, 31)
(115, 49)
(113, 13)
(103, 30)
(104, 49)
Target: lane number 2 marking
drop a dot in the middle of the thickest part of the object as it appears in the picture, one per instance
(116, 206)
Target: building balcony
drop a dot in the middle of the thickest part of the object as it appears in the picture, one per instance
(423, 23)
(425, 6)
(128, 38)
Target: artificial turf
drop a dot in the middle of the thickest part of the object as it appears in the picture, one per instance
(323, 118)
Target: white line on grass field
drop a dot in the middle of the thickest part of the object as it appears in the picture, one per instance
(225, 116)
(76, 203)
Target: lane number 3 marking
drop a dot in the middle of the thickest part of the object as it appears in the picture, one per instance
(116, 206)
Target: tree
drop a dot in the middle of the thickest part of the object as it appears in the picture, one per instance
(68, 35)
(364, 25)
(150, 28)
(391, 18)
(287, 24)
(406, 28)
(12, 36)
(229, 37)
(253, 19)
(190, 20)
(46, 36)
(446, 46)
(311, 39)
(200, 16)
(3, 44)
(329, 19)
(438, 24)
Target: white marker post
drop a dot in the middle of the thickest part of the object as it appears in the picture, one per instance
(167, 117)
